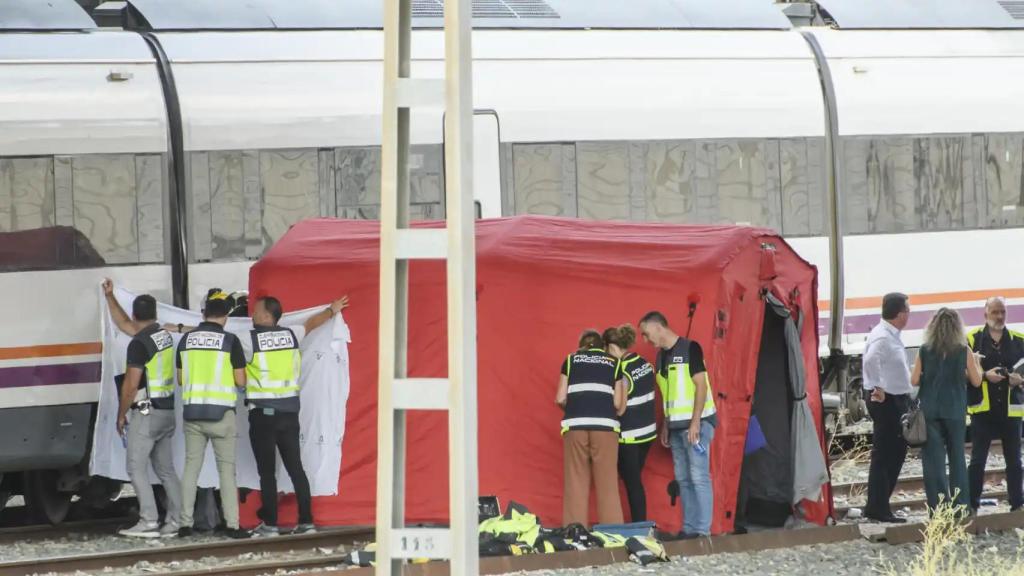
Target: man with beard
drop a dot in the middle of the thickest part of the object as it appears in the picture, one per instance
(997, 406)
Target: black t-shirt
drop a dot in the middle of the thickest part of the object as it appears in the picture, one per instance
(237, 354)
(138, 354)
(696, 358)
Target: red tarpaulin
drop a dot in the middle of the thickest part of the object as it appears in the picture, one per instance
(540, 282)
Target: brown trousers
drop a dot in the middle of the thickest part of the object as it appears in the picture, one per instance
(591, 454)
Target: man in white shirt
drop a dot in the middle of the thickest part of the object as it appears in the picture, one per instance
(887, 393)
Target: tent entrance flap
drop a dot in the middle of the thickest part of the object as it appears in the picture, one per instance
(766, 481)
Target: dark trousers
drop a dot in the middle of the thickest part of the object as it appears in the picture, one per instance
(631, 466)
(945, 443)
(984, 428)
(888, 451)
(271, 433)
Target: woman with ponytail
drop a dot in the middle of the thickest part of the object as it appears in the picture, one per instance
(638, 427)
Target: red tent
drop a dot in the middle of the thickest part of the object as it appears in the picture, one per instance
(540, 282)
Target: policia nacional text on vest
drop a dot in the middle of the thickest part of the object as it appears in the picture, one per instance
(207, 374)
(638, 422)
(979, 400)
(273, 374)
(677, 387)
(590, 402)
(157, 384)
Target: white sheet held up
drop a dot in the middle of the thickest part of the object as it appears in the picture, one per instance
(324, 392)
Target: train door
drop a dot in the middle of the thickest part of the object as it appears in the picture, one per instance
(486, 164)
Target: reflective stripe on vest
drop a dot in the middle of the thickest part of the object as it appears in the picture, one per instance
(577, 388)
(640, 435)
(160, 374)
(679, 393)
(208, 379)
(649, 397)
(274, 369)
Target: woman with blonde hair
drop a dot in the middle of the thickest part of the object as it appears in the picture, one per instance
(944, 367)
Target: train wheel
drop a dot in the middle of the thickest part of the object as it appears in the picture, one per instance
(45, 502)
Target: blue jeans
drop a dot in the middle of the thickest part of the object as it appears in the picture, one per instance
(693, 473)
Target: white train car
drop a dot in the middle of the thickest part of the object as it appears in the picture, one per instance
(172, 152)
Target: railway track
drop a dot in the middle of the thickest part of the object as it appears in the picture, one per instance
(917, 503)
(111, 562)
(36, 532)
(907, 484)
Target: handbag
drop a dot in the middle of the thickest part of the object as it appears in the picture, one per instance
(915, 430)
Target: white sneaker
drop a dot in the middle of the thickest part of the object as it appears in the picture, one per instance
(304, 529)
(142, 530)
(169, 530)
(264, 531)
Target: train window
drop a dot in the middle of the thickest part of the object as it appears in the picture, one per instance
(1003, 178)
(748, 182)
(26, 194)
(544, 179)
(906, 184)
(803, 186)
(667, 180)
(291, 190)
(82, 211)
(357, 181)
(682, 181)
(603, 180)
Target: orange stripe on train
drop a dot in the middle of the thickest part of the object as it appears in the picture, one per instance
(51, 350)
(930, 298)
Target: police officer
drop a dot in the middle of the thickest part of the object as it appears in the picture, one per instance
(996, 407)
(593, 394)
(273, 365)
(148, 393)
(211, 367)
(690, 419)
(638, 427)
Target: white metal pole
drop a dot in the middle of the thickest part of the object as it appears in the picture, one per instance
(394, 215)
(462, 369)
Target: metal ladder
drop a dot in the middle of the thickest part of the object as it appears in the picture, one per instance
(398, 245)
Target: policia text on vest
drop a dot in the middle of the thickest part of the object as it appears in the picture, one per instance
(592, 392)
(146, 400)
(211, 367)
(273, 367)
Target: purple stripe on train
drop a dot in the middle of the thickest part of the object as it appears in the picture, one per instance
(49, 374)
(974, 316)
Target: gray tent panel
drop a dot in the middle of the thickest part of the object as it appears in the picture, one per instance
(43, 15)
(925, 14)
(809, 469)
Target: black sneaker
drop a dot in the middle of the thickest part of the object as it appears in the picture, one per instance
(184, 532)
(237, 533)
